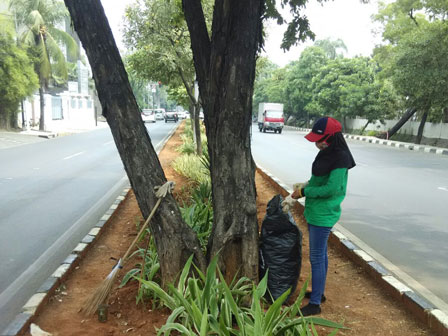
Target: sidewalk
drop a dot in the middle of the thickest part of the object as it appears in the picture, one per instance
(391, 143)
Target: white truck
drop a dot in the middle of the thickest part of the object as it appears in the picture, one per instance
(270, 117)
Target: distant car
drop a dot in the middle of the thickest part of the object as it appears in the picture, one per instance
(181, 115)
(148, 116)
(171, 116)
(159, 116)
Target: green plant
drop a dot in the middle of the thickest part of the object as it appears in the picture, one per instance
(151, 269)
(191, 167)
(199, 215)
(206, 305)
(372, 133)
(187, 148)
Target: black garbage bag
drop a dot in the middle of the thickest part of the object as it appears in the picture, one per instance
(280, 249)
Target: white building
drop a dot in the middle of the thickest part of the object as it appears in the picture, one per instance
(65, 110)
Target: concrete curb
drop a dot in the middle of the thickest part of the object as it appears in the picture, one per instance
(31, 309)
(391, 143)
(412, 301)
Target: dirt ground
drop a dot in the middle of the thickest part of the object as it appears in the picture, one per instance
(352, 297)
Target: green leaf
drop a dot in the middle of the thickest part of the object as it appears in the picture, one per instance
(165, 297)
(184, 274)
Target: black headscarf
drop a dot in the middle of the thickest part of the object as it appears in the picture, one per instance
(336, 155)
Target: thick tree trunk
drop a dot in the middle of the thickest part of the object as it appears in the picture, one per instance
(225, 69)
(406, 116)
(418, 139)
(42, 107)
(175, 241)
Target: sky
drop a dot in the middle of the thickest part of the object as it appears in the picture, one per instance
(348, 20)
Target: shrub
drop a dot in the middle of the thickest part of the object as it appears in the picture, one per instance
(191, 167)
(205, 305)
(199, 215)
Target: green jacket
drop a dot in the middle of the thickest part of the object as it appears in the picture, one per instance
(324, 195)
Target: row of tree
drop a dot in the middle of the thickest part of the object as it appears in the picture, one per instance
(409, 72)
(323, 82)
(222, 43)
(32, 54)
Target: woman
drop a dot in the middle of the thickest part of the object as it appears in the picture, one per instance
(324, 194)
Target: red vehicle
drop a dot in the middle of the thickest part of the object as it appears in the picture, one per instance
(270, 117)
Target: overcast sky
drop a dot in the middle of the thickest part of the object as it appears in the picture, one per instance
(348, 20)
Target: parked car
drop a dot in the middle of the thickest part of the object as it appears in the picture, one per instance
(148, 116)
(171, 116)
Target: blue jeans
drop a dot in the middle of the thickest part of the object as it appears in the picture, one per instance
(319, 260)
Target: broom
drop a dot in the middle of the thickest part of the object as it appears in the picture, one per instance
(99, 296)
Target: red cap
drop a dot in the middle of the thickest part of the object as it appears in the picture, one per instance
(322, 127)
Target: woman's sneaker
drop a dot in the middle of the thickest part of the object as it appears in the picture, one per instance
(310, 309)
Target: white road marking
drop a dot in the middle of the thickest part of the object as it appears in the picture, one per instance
(108, 143)
(443, 188)
(36, 168)
(8, 178)
(361, 164)
(72, 156)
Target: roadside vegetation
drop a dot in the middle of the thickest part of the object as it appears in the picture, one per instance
(406, 73)
(200, 303)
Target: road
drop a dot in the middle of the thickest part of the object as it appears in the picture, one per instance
(52, 193)
(396, 203)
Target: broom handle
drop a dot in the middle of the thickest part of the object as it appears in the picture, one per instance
(141, 230)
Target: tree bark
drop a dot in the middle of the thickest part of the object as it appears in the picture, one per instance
(175, 241)
(418, 139)
(406, 116)
(225, 68)
(42, 107)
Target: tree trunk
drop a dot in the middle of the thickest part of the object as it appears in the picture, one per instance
(406, 116)
(22, 109)
(225, 69)
(197, 129)
(418, 139)
(365, 126)
(175, 241)
(191, 110)
(445, 115)
(344, 123)
(42, 107)
(3, 117)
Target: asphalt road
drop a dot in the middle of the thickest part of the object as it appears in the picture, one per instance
(396, 203)
(52, 193)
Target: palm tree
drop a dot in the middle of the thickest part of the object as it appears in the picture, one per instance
(37, 22)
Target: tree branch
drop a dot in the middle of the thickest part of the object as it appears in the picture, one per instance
(200, 41)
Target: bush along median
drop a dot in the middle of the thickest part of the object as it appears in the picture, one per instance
(204, 304)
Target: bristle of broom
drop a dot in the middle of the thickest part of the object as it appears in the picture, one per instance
(91, 305)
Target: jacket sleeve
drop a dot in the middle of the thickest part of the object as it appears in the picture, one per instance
(334, 185)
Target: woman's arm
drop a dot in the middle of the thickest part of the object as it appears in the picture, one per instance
(334, 185)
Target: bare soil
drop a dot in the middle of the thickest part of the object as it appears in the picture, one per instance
(353, 298)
